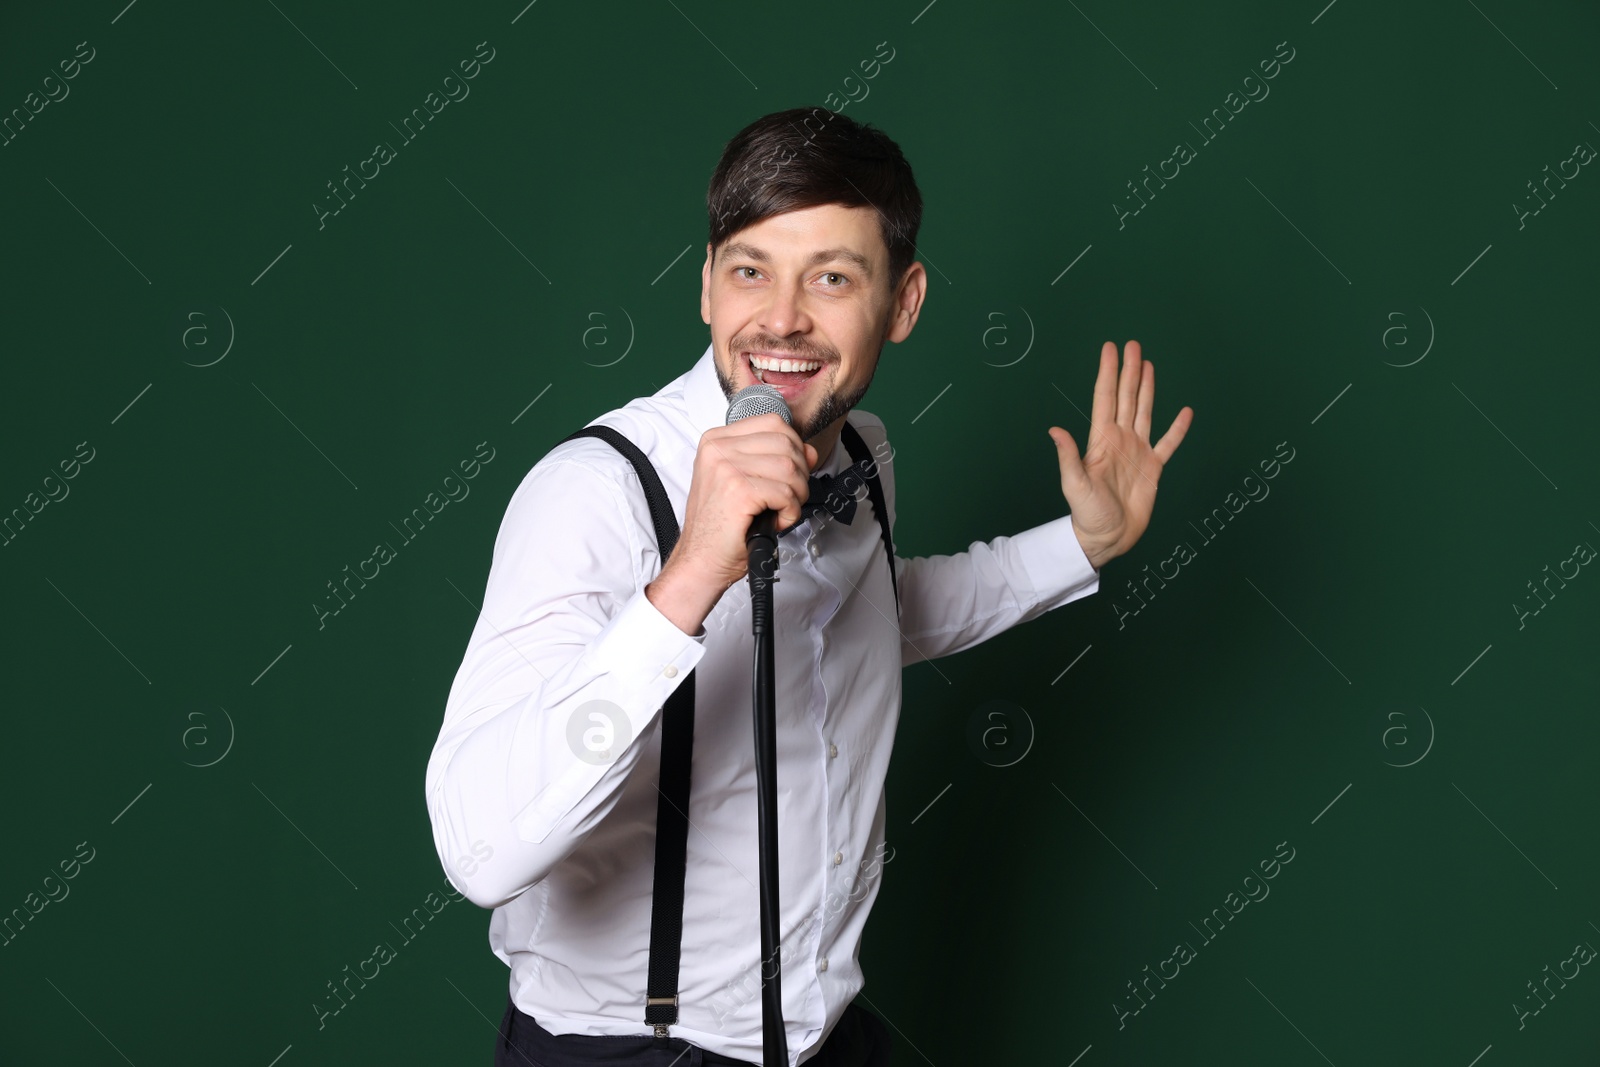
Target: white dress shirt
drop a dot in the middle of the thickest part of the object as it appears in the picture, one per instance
(560, 842)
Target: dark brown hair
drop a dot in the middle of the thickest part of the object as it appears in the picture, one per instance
(808, 156)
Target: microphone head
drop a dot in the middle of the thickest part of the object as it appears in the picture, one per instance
(758, 399)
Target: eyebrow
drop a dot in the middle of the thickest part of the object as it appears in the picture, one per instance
(743, 250)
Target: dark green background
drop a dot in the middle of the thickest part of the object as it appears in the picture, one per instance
(1253, 691)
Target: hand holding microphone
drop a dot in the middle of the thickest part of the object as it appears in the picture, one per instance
(756, 465)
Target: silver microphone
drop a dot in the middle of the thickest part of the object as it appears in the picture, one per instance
(757, 399)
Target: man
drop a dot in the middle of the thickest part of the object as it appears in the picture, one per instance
(542, 788)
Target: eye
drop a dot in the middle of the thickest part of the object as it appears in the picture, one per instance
(740, 272)
(834, 274)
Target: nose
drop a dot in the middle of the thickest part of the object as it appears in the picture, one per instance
(786, 312)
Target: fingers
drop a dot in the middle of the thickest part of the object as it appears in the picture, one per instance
(782, 497)
(1174, 436)
(1128, 384)
(1104, 410)
(1147, 396)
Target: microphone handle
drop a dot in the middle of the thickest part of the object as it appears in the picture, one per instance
(763, 525)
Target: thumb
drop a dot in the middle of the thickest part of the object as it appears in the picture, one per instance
(1067, 454)
(811, 455)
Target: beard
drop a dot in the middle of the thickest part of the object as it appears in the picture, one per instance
(832, 406)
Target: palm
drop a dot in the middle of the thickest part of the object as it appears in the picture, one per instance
(1111, 490)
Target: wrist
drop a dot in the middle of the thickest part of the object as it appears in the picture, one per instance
(683, 595)
(1097, 554)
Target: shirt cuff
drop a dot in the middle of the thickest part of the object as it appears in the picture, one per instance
(1056, 563)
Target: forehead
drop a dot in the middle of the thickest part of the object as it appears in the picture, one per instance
(805, 231)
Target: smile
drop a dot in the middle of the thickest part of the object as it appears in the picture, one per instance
(789, 376)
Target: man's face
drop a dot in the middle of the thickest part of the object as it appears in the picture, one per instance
(809, 285)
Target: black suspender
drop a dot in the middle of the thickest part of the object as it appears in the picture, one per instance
(677, 736)
(859, 451)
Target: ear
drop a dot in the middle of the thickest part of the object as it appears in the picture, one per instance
(907, 303)
(705, 287)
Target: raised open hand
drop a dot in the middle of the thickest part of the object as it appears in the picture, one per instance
(1111, 490)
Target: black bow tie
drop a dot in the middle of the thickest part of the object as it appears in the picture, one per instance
(835, 493)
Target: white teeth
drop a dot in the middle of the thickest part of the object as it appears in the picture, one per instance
(768, 363)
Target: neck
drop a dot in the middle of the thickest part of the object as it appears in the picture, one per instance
(825, 442)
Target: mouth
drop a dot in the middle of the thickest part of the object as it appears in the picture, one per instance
(769, 369)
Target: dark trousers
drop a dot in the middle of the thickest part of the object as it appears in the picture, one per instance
(859, 1040)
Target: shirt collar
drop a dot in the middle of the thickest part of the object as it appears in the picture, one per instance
(707, 406)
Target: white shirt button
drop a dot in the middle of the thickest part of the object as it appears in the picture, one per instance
(816, 550)
(671, 671)
(822, 964)
(833, 750)
(838, 858)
